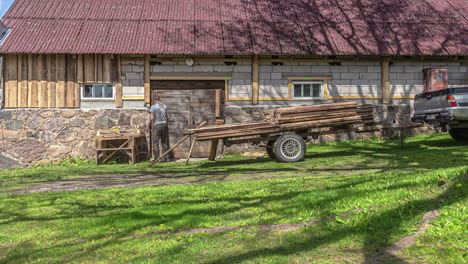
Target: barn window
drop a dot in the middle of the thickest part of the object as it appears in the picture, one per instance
(97, 92)
(4, 32)
(307, 90)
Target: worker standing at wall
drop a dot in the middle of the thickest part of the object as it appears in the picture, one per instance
(160, 130)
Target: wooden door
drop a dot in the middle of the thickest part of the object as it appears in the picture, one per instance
(188, 108)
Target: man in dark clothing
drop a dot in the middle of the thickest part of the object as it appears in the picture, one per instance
(159, 119)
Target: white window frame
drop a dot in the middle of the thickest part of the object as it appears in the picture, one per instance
(5, 36)
(83, 98)
(322, 88)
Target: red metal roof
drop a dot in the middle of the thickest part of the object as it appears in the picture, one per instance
(302, 27)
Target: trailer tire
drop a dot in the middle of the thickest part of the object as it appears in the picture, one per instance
(270, 150)
(459, 134)
(290, 148)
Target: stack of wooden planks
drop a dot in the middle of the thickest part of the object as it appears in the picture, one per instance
(302, 118)
(127, 131)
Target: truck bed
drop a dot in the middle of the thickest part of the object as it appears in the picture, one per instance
(431, 107)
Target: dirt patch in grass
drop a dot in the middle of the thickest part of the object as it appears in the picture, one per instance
(391, 254)
(129, 181)
(408, 241)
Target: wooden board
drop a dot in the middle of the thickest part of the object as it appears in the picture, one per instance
(11, 81)
(71, 80)
(61, 81)
(23, 81)
(51, 76)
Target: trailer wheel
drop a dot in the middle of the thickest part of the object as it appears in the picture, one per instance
(290, 148)
(270, 150)
(459, 134)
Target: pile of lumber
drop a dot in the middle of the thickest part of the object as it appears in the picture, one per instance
(302, 118)
(120, 131)
(321, 115)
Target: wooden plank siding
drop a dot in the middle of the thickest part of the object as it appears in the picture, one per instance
(54, 81)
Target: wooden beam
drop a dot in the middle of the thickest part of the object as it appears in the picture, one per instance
(213, 149)
(385, 80)
(42, 79)
(106, 68)
(11, 81)
(79, 70)
(30, 80)
(89, 71)
(118, 85)
(61, 82)
(188, 78)
(71, 64)
(51, 77)
(226, 90)
(147, 84)
(255, 78)
(218, 103)
(23, 81)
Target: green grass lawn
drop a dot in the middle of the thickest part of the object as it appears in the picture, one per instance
(380, 191)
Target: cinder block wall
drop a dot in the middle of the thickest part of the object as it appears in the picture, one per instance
(348, 79)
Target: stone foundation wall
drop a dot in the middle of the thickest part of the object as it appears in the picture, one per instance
(32, 135)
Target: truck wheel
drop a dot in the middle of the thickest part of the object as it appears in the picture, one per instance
(290, 148)
(270, 150)
(459, 134)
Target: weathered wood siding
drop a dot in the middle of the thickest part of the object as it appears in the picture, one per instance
(53, 81)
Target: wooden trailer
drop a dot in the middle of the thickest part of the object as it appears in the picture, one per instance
(285, 130)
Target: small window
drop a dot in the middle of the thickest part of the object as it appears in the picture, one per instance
(98, 91)
(308, 90)
(440, 76)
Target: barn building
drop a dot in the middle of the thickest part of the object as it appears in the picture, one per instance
(72, 67)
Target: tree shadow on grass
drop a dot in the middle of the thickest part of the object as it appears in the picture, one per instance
(378, 231)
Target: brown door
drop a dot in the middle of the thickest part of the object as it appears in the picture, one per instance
(189, 104)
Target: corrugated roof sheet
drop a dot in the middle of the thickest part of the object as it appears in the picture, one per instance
(315, 27)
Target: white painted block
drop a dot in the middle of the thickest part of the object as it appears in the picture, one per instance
(397, 68)
(358, 69)
(369, 76)
(223, 68)
(359, 82)
(238, 68)
(265, 68)
(273, 91)
(203, 68)
(377, 69)
(282, 68)
(320, 69)
(183, 68)
(414, 68)
(264, 76)
(133, 76)
(458, 76)
(138, 68)
(339, 69)
(241, 76)
(349, 76)
(405, 76)
(276, 76)
(335, 82)
(162, 68)
(300, 68)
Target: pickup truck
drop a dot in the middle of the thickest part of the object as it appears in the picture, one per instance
(446, 109)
